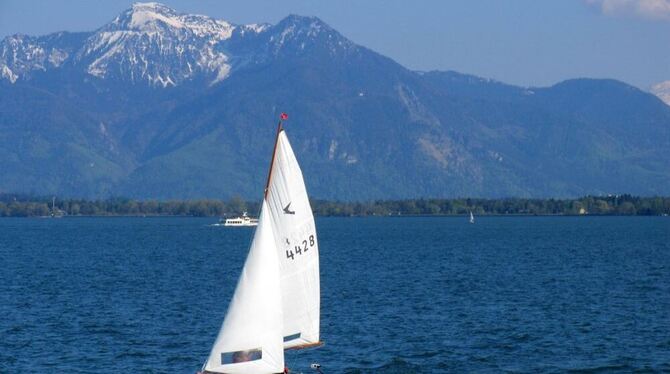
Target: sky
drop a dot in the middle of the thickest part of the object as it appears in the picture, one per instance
(522, 42)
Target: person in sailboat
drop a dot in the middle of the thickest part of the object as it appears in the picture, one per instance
(244, 356)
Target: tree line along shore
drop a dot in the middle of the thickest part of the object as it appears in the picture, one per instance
(12, 205)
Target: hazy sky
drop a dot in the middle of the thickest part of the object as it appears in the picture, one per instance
(525, 42)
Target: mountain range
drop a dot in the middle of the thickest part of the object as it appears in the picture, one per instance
(159, 104)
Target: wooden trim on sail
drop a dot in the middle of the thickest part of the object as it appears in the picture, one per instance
(272, 161)
(306, 345)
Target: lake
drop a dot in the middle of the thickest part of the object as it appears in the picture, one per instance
(399, 295)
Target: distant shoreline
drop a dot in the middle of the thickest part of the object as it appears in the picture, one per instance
(14, 205)
(353, 216)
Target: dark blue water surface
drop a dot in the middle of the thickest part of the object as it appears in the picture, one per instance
(399, 295)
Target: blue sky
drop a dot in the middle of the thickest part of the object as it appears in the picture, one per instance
(524, 42)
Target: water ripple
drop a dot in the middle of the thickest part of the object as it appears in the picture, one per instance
(400, 295)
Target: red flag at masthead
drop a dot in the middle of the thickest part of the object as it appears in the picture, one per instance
(283, 116)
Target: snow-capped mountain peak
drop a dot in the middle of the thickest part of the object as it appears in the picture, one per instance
(147, 16)
(156, 17)
(152, 43)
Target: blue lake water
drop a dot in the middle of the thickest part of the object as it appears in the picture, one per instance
(399, 295)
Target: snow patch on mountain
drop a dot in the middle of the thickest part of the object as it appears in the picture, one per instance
(662, 91)
(57, 57)
(9, 74)
(145, 16)
(255, 27)
(21, 54)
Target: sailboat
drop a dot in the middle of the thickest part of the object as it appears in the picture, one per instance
(55, 213)
(472, 217)
(276, 304)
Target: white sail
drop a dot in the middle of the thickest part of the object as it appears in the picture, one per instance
(251, 337)
(297, 246)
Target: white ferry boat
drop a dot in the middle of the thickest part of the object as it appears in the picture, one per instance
(245, 220)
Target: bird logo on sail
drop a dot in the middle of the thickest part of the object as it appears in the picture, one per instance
(287, 210)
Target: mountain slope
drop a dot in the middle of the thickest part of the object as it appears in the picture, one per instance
(158, 104)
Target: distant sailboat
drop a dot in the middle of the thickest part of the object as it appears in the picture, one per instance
(55, 213)
(276, 304)
(472, 217)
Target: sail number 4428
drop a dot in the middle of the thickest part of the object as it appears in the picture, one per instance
(302, 248)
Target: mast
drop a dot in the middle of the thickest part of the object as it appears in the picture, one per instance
(272, 161)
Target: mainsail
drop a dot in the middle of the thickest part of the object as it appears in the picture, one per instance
(296, 245)
(250, 340)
